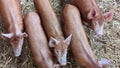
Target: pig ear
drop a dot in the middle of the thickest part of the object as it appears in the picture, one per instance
(68, 39)
(104, 62)
(24, 35)
(108, 15)
(93, 13)
(6, 36)
(53, 42)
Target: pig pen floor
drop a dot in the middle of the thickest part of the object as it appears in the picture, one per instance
(107, 46)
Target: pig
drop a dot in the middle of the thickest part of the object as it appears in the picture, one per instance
(10, 11)
(79, 46)
(53, 30)
(92, 14)
(38, 42)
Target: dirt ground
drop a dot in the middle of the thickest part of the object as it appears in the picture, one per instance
(107, 46)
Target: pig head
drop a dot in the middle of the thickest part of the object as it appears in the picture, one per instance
(16, 40)
(60, 48)
(10, 11)
(92, 14)
(97, 20)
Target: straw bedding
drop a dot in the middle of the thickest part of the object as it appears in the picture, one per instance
(107, 46)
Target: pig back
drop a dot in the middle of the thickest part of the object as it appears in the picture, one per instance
(80, 47)
(11, 14)
(37, 41)
(48, 17)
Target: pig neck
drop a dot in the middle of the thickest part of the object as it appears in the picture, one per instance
(59, 37)
(15, 27)
(54, 30)
(14, 23)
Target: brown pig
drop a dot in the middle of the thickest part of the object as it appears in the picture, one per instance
(53, 30)
(38, 42)
(12, 17)
(92, 14)
(81, 50)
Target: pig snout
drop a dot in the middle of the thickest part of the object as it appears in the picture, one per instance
(97, 28)
(99, 33)
(63, 60)
(17, 51)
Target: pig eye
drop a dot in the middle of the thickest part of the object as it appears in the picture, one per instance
(57, 52)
